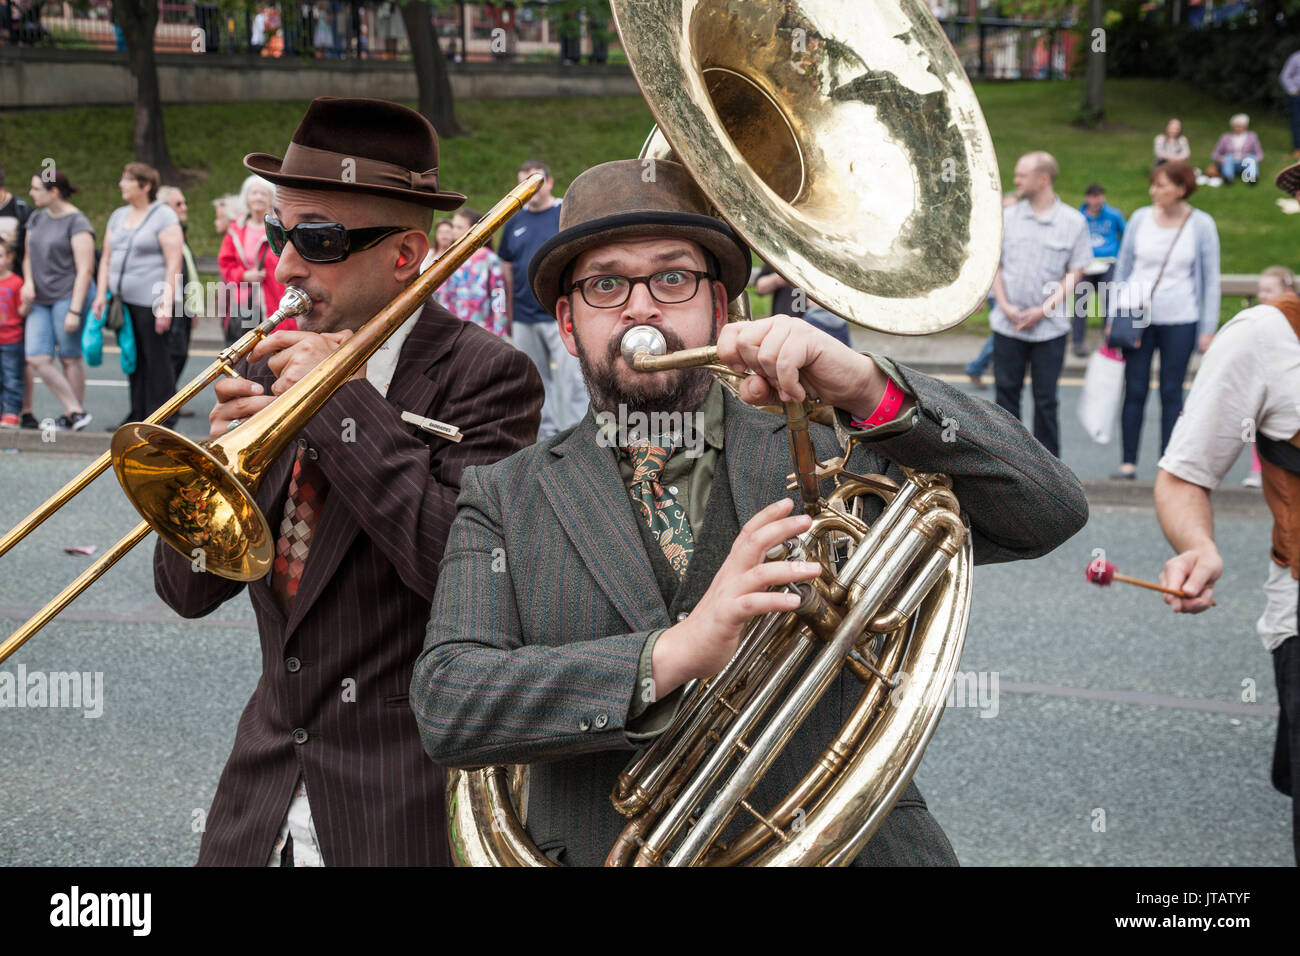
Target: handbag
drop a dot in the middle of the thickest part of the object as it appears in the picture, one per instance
(1124, 328)
(115, 315)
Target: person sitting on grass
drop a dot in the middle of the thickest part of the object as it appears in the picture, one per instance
(1238, 152)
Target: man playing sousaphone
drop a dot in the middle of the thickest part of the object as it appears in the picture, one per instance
(588, 578)
(327, 766)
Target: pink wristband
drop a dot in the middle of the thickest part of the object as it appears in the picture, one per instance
(887, 410)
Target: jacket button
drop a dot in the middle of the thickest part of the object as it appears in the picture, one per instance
(681, 617)
(300, 736)
(312, 454)
(302, 443)
(293, 665)
(601, 721)
(584, 725)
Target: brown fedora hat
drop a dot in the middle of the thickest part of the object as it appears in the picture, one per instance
(631, 199)
(1288, 180)
(361, 145)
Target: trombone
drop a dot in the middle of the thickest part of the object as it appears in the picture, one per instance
(199, 496)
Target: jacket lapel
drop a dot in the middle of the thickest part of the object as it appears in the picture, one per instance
(584, 487)
(411, 389)
(758, 457)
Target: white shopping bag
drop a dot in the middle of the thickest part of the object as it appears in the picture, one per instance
(1103, 392)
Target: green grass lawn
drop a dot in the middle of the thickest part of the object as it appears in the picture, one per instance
(90, 144)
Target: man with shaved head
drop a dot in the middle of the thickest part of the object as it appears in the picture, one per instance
(1045, 245)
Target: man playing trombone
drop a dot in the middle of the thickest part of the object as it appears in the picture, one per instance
(588, 578)
(327, 766)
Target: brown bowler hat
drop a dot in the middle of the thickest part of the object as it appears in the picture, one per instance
(631, 199)
(361, 145)
(1288, 180)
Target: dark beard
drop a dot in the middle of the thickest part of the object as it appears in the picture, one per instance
(685, 391)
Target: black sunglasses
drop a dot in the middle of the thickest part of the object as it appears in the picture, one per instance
(325, 241)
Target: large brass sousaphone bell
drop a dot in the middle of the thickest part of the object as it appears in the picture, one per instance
(845, 145)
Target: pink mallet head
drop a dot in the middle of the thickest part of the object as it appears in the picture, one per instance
(1100, 572)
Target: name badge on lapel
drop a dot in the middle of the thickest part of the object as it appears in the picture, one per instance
(441, 429)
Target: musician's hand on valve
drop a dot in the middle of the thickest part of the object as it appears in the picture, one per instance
(294, 354)
(793, 360)
(703, 643)
(1194, 571)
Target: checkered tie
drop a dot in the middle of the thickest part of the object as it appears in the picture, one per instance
(662, 513)
(302, 509)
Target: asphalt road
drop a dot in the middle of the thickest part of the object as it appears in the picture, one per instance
(1116, 732)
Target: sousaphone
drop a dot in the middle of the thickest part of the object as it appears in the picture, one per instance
(844, 143)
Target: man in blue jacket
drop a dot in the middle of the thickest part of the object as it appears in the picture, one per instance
(1105, 229)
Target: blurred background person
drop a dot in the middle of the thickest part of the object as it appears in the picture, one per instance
(476, 292)
(1274, 283)
(442, 236)
(58, 286)
(191, 289)
(1170, 253)
(1238, 152)
(12, 309)
(1172, 144)
(532, 328)
(14, 213)
(1105, 230)
(770, 282)
(247, 263)
(225, 211)
(139, 265)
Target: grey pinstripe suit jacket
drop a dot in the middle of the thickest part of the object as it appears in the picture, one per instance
(536, 662)
(362, 606)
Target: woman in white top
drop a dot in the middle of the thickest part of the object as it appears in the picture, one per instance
(1172, 144)
(1181, 302)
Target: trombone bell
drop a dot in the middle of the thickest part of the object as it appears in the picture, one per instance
(195, 501)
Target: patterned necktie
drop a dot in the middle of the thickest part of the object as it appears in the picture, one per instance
(662, 513)
(302, 509)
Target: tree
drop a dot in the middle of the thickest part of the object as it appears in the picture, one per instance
(436, 100)
(1094, 103)
(137, 20)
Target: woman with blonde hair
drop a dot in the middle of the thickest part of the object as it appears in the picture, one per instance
(247, 263)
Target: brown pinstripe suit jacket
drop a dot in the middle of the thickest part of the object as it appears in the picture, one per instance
(362, 606)
(538, 664)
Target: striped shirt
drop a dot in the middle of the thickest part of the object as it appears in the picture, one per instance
(1035, 254)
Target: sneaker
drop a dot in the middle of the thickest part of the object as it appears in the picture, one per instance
(79, 420)
(976, 380)
(1252, 480)
(1214, 181)
(1081, 351)
(1124, 475)
(29, 421)
(9, 420)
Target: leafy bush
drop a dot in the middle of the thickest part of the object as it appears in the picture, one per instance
(1237, 61)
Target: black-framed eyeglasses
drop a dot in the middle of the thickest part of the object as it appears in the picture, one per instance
(326, 241)
(668, 287)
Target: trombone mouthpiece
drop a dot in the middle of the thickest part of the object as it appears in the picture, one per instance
(293, 302)
(642, 340)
